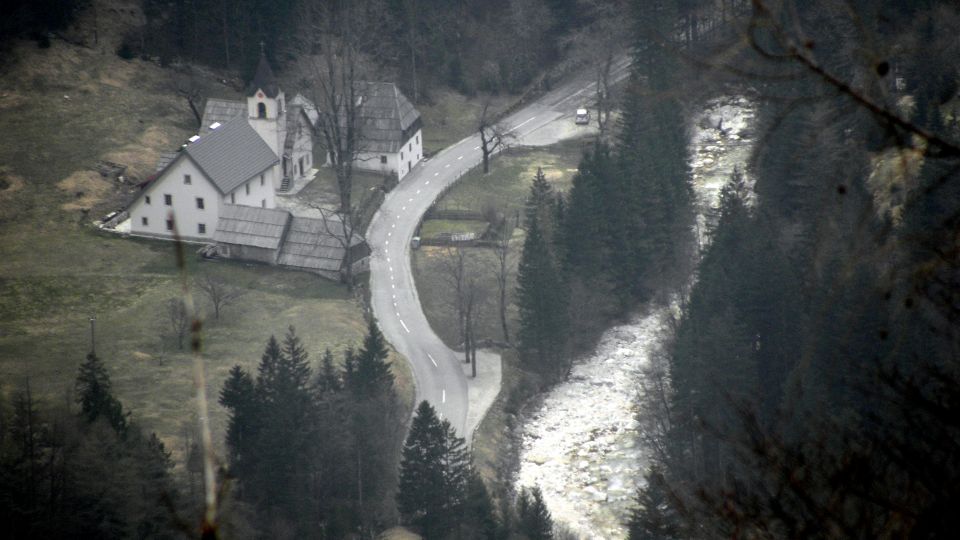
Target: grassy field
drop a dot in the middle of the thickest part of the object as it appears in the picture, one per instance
(449, 117)
(61, 110)
(507, 185)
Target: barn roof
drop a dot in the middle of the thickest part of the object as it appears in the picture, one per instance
(384, 116)
(231, 154)
(222, 111)
(251, 226)
(311, 244)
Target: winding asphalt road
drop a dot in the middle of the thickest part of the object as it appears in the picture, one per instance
(438, 370)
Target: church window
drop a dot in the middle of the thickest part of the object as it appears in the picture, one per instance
(168, 199)
(418, 139)
(200, 203)
(261, 110)
(202, 228)
(187, 180)
(410, 147)
(169, 224)
(144, 221)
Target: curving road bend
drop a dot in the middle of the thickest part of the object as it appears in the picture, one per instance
(438, 370)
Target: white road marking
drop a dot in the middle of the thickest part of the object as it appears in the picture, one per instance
(447, 166)
(435, 174)
(432, 360)
(391, 269)
(389, 234)
(444, 396)
(527, 121)
(388, 259)
(476, 147)
(410, 200)
(428, 182)
(461, 157)
(394, 226)
(404, 325)
(418, 192)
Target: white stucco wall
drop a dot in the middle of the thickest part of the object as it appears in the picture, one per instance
(183, 204)
(402, 161)
(261, 194)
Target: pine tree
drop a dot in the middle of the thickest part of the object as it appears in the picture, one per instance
(654, 518)
(540, 200)
(479, 519)
(540, 296)
(239, 397)
(328, 380)
(534, 518)
(95, 397)
(434, 470)
(369, 375)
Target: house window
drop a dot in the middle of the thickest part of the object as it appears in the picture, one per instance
(200, 203)
(383, 159)
(202, 228)
(233, 198)
(169, 224)
(146, 199)
(263, 203)
(144, 221)
(401, 155)
(168, 199)
(247, 187)
(418, 139)
(261, 179)
(187, 180)
(410, 147)
(261, 110)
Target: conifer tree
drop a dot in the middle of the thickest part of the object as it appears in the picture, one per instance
(540, 297)
(369, 374)
(534, 518)
(95, 397)
(328, 380)
(653, 519)
(239, 398)
(540, 201)
(434, 469)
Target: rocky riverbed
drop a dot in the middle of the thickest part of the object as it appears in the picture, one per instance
(580, 444)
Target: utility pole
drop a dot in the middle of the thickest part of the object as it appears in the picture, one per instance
(93, 342)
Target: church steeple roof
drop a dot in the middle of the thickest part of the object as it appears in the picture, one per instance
(263, 79)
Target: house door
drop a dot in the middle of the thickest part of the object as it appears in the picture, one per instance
(284, 166)
(301, 167)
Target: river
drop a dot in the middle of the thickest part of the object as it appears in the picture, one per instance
(580, 444)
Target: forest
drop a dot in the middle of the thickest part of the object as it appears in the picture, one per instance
(805, 388)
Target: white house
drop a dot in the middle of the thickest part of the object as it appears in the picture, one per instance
(390, 139)
(229, 165)
(246, 151)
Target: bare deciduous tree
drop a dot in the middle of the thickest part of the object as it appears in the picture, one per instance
(336, 86)
(342, 226)
(504, 261)
(178, 319)
(598, 45)
(219, 292)
(494, 136)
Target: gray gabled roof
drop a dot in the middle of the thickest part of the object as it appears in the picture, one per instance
(308, 108)
(231, 154)
(310, 244)
(385, 115)
(251, 226)
(222, 111)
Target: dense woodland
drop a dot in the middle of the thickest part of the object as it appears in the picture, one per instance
(809, 386)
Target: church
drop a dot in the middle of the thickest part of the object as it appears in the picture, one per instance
(245, 153)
